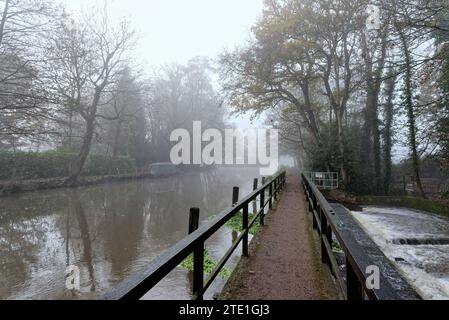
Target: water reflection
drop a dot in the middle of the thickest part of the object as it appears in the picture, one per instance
(108, 231)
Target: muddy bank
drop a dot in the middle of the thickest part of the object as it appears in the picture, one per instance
(14, 187)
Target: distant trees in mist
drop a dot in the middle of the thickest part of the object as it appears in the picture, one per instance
(71, 83)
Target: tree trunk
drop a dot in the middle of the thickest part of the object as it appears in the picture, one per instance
(70, 130)
(309, 111)
(366, 144)
(370, 151)
(117, 139)
(411, 113)
(341, 148)
(376, 146)
(89, 118)
(387, 135)
(3, 22)
(84, 151)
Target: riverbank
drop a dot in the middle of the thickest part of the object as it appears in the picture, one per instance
(21, 186)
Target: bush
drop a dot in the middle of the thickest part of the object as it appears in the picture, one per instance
(53, 164)
(98, 165)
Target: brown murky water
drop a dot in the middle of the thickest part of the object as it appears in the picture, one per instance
(109, 232)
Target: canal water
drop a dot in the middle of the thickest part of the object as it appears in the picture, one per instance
(425, 266)
(110, 231)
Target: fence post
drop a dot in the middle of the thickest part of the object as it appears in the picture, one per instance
(262, 208)
(245, 231)
(314, 211)
(270, 194)
(354, 290)
(278, 185)
(275, 188)
(304, 183)
(324, 234)
(262, 202)
(255, 183)
(235, 199)
(198, 256)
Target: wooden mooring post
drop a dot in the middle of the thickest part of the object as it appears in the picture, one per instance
(235, 195)
(198, 255)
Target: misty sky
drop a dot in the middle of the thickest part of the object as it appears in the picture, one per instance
(174, 31)
(177, 30)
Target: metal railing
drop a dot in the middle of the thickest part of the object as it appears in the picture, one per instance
(324, 180)
(334, 223)
(137, 285)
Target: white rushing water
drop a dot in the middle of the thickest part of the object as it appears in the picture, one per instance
(426, 267)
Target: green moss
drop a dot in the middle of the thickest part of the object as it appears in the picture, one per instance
(236, 223)
(209, 265)
(336, 246)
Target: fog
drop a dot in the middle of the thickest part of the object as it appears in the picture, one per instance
(176, 30)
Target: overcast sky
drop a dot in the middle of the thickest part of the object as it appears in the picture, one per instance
(177, 30)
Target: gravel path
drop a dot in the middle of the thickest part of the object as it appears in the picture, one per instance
(281, 263)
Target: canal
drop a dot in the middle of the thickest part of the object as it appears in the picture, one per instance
(110, 231)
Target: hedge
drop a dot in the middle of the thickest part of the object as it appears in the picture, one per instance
(54, 164)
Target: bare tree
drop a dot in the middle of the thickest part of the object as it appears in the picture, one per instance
(23, 111)
(88, 58)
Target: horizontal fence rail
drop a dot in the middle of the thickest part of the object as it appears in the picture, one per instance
(137, 285)
(361, 255)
